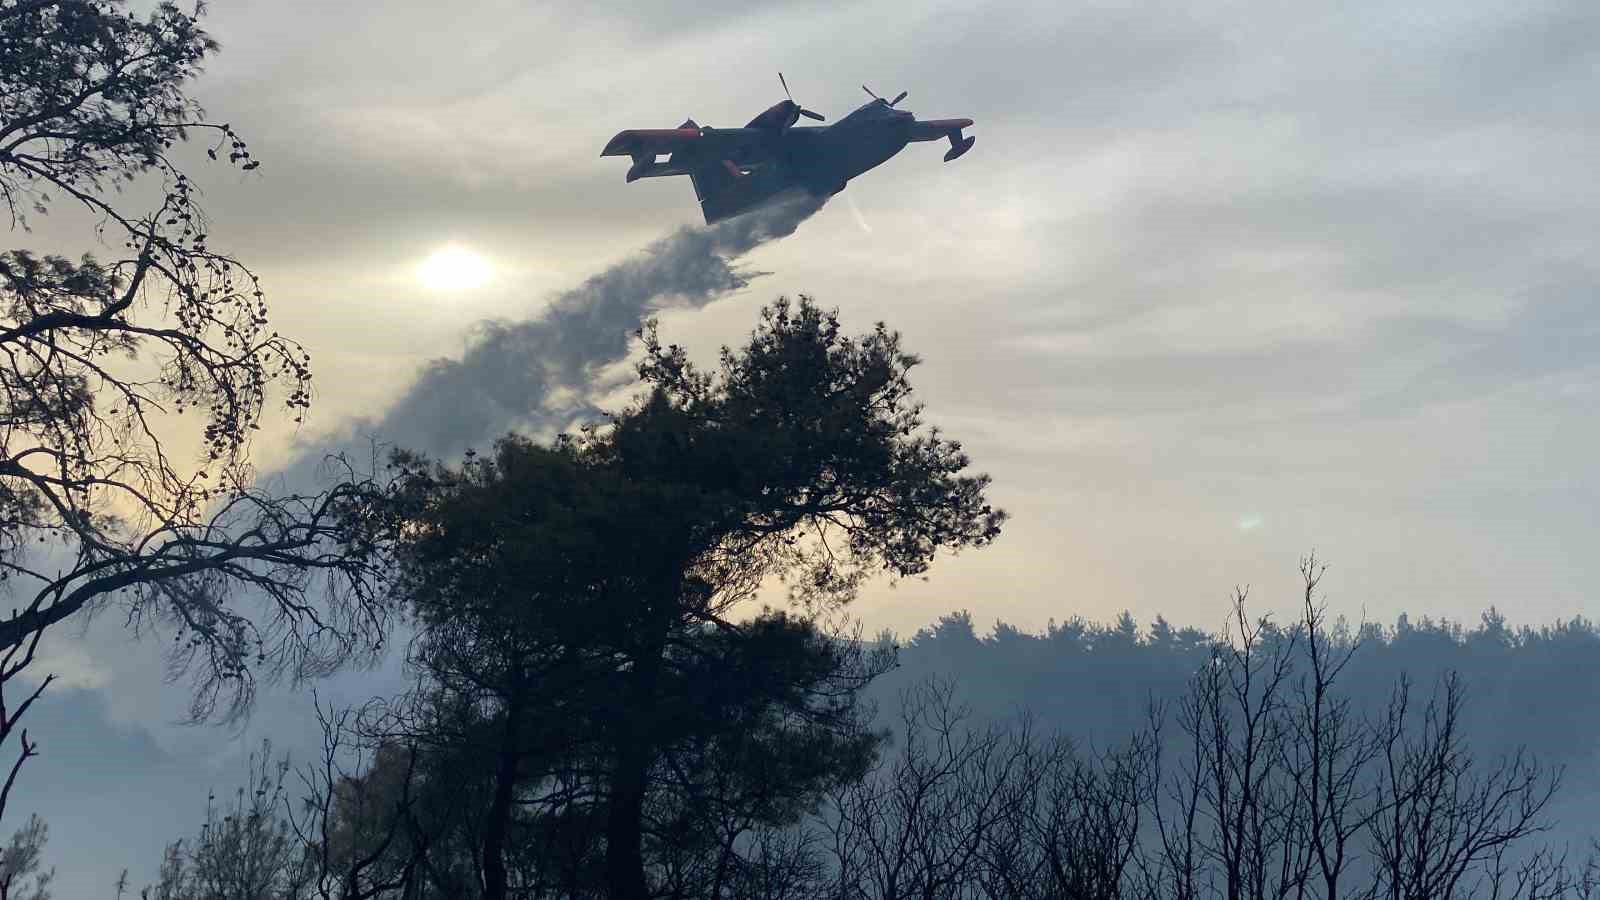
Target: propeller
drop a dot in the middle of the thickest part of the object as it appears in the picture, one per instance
(876, 97)
(798, 108)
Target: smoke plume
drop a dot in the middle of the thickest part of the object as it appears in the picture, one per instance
(535, 374)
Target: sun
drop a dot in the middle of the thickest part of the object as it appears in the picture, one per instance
(454, 268)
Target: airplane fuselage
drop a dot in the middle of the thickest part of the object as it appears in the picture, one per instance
(823, 158)
(736, 169)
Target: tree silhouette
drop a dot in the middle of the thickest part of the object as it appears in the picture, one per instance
(22, 872)
(362, 820)
(1334, 803)
(587, 590)
(100, 503)
(245, 849)
(1443, 816)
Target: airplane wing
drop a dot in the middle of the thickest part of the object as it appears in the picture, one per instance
(725, 190)
(729, 143)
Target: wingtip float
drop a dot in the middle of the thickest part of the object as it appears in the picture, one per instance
(734, 170)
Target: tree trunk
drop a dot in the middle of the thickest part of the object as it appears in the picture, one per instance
(633, 755)
(624, 832)
(723, 857)
(498, 822)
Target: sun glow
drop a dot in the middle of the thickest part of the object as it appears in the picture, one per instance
(454, 268)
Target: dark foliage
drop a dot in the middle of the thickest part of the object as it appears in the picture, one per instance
(1260, 775)
(577, 602)
(100, 501)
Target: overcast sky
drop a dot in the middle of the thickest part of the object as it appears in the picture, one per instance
(1219, 284)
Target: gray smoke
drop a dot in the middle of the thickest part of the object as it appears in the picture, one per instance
(535, 375)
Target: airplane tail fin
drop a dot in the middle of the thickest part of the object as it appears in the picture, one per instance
(958, 146)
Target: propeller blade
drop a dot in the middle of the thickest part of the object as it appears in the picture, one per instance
(899, 98)
(813, 115)
(870, 93)
(785, 87)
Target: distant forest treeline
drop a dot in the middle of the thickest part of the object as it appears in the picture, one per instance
(1090, 760)
(1534, 685)
(1524, 688)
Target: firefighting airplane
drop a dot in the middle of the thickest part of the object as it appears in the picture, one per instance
(737, 169)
